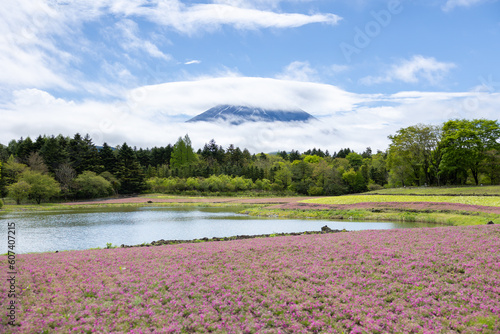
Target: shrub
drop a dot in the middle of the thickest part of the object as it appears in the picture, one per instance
(374, 186)
(315, 191)
(90, 185)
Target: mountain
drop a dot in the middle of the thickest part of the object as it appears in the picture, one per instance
(241, 114)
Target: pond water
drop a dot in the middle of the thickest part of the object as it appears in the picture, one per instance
(89, 228)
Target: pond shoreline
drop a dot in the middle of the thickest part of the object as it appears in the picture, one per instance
(324, 230)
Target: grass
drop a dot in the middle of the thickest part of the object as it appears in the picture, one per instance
(353, 199)
(449, 219)
(62, 207)
(453, 191)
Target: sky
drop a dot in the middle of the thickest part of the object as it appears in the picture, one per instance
(135, 70)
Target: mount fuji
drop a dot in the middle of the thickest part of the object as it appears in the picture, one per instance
(240, 114)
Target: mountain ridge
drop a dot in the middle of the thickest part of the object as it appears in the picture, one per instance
(236, 115)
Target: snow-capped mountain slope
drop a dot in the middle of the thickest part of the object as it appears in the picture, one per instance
(241, 114)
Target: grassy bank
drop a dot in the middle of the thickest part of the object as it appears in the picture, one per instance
(450, 219)
(451, 191)
(427, 205)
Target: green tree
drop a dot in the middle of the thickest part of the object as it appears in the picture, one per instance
(413, 147)
(90, 185)
(115, 183)
(19, 191)
(283, 177)
(355, 160)
(355, 181)
(43, 187)
(54, 152)
(3, 182)
(182, 154)
(129, 172)
(108, 158)
(466, 143)
(12, 170)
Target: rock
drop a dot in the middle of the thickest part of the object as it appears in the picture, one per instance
(490, 223)
(150, 202)
(326, 229)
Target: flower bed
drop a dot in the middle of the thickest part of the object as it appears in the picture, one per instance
(426, 280)
(397, 206)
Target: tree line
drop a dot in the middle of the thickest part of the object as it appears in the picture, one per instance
(457, 152)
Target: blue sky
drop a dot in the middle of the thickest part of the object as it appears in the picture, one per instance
(134, 71)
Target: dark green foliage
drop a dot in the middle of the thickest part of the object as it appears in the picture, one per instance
(107, 158)
(466, 143)
(129, 171)
(54, 152)
(343, 153)
(83, 154)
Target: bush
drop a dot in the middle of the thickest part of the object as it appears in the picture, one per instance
(315, 191)
(90, 185)
(263, 184)
(374, 186)
(1, 203)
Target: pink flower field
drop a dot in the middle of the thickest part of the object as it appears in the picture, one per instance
(423, 280)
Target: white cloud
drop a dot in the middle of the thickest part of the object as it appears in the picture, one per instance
(414, 70)
(155, 115)
(198, 17)
(190, 62)
(41, 41)
(299, 71)
(131, 42)
(451, 4)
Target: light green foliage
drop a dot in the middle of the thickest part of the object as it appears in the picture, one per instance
(19, 191)
(215, 183)
(263, 184)
(115, 183)
(43, 187)
(1, 203)
(183, 154)
(312, 159)
(12, 170)
(283, 177)
(90, 185)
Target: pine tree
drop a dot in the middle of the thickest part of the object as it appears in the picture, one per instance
(130, 172)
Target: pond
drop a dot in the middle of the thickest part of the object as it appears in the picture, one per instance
(90, 228)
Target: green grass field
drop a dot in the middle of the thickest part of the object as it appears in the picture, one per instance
(429, 191)
(353, 199)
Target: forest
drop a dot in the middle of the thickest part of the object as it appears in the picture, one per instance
(457, 152)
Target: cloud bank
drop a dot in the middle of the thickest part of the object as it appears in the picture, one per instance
(155, 115)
